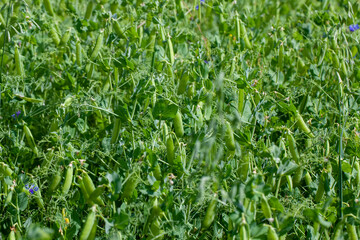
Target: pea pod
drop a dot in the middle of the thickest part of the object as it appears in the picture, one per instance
(241, 101)
(244, 35)
(308, 179)
(335, 60)
(90, 188)
(116, 131)
(129, 187)
(157, 172)
(99, 43)
(209, 215)
(244, 165)
(357, 176)
(30, 139)
(229, 137)
(89, 9)
(117, 29)
(292, 147)
(171, 51)
(12, 235)
(178, 125)
(265, 207)
(89, 223)
(5, 169)
(68, 180)
(48, 7)
(290, 183)
(54, 35)
(182, 84)
(92, 234)
(55, 182)
(18, 62)
(170, 152)
(298, 176)
(320, 191)
(95, 195)
(65, 38)
(83, 190)
(271, 235)
(351, 229)
(302, 125)
(344, 68)
(78, 53)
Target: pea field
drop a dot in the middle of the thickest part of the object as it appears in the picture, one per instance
(179, 119)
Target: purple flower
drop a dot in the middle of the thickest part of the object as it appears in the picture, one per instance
(354, 27)
(206, 62)
(201, 1)
(31, 191)
(15, 115)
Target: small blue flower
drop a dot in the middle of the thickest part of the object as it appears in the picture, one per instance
(201, 1)
(206, 62)
(31, 191)
(13, 116)
(354, 27)
(18, 113)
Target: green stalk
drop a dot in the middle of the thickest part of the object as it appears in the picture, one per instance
(341, 130)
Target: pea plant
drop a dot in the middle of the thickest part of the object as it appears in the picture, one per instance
(179, 119)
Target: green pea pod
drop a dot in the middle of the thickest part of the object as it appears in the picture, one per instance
(351, 229)
(18, 62)
(170, 150)
(302, 125)
(54, 36)
(271, 235)
(89, 9)
(298, 176)
(357, 176)
(178, 125)
(78, 53)
(191, 90)
(335, 60)
(117, 29)
(95, 195)
(83, 190)
(68, 180)
(244, 165)
(129, 187)
(245, 36)
(292, 146)
(116, 131)
(8, 198)
(171, 51)
(238, 29)
(89, 223)
(92, 234)
(308, 179)
(65, 38)
(48, 7)
(157, 172)
(55, 182)
(320, 191)
(344, 68)
(290, 183)
(98, 46)
(12, 235)
(265, 207)
(5, 169)
(301, 67)
(241, 101)
(182, 84)
(30, 139)
(209, 215)
(229, 137)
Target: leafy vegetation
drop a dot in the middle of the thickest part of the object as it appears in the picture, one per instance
(179, 119)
